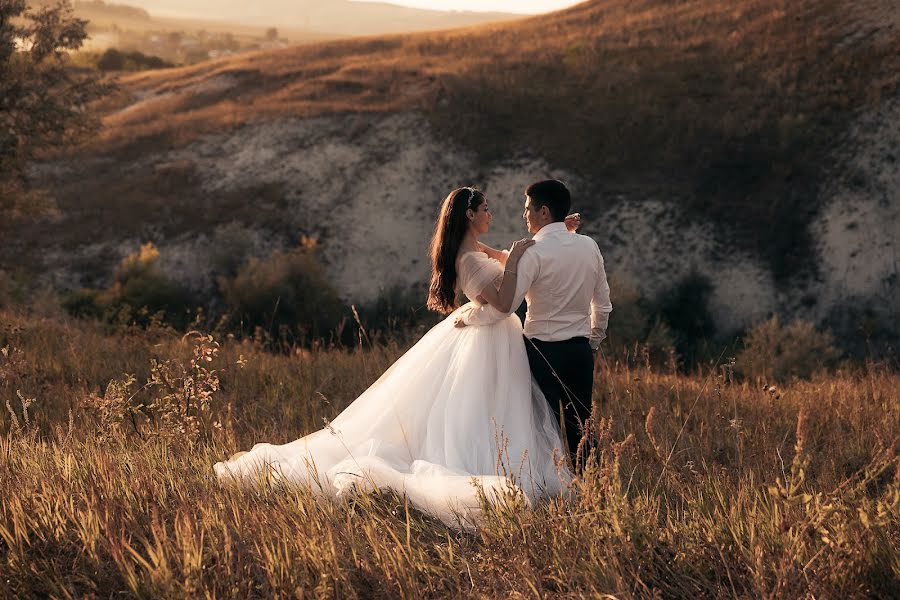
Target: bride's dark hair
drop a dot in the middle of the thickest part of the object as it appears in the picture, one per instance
(449, 232)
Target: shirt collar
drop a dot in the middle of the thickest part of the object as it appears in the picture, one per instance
(550, 229)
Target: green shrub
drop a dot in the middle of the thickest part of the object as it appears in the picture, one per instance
(684, 308)
(116, 60)
(398, 314)
(84, 303)
(635, 332)
(139, 284)
(140, 293)
(4, 289)
(629, 322)
(232, 245)
(12, 289)
(287, 295)
(775, 352)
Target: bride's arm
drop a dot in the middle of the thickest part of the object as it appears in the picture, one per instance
(502, 298)
(499, 255)
(573, 222)
(477, 314)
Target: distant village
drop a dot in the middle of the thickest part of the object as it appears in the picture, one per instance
(182, 47)
(119, 30)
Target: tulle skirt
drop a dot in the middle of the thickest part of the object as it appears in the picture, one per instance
(455, 421)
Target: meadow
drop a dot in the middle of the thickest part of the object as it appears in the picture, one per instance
(723, 476)
(705, 484)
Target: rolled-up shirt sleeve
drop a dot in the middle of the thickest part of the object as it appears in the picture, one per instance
(526, 272)
(601, 306)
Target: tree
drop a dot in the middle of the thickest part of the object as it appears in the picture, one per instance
(42, 97)
(272, 34)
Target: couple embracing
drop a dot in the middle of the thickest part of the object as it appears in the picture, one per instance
(474, 406)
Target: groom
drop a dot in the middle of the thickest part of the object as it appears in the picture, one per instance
(562, 277)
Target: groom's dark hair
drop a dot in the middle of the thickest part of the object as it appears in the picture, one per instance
(553, 194)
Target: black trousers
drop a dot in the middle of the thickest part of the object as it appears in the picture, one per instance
(565, 373)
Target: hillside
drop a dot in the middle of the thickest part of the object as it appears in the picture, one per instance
(752, 144)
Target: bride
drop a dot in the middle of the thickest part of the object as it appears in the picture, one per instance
(457, 416)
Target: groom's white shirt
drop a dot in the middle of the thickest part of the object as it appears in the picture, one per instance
(564, 281)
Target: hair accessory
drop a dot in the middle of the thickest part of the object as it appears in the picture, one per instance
(471, 197)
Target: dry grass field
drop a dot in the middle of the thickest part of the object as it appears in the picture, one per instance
(704, 486)
(706, 483)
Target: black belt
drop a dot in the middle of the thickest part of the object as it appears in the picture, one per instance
(575, 340)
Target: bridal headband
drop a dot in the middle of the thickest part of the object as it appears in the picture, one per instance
(471, 196)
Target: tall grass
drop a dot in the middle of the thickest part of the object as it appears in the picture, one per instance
(703, 486)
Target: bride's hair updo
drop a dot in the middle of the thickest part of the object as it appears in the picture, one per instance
(449, 232)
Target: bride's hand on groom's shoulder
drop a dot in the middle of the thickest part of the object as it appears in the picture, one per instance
(573, 222)
(519, 246)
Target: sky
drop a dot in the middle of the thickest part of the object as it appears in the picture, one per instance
(516, 6)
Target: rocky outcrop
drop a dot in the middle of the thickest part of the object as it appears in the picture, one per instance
(368, 188)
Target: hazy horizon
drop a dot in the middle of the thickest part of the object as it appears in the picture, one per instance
(347, 17)
(197, 9)
(508, 6)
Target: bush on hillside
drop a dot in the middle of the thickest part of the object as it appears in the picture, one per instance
(84, 303)
(398, 314)
(634, 329)
(864, 327)
(12, 289)
(4, 289)
(631, 320)
(287, 295)
(777, 352)
(140, 293)
(140, 284)
(117, 60)
(685, 309)
(232, 245)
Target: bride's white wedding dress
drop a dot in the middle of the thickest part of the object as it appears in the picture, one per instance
(456, 413)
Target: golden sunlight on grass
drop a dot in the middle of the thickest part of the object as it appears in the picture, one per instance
(703, 486)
